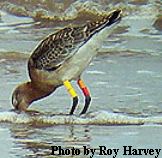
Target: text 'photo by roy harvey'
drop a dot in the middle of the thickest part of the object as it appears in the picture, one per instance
(125, 151)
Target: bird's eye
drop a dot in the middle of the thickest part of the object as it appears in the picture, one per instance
(14, 99)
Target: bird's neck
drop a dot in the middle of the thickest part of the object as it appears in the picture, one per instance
(35, 92)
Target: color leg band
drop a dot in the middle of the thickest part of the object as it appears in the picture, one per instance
(83, 87)
(70, 89)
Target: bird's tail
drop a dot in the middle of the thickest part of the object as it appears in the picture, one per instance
(98, 25)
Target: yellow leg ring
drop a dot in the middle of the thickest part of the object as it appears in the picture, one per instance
(70, 89)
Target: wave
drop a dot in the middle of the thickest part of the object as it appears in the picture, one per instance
(13, 55)
(92, 118)
(75, 11)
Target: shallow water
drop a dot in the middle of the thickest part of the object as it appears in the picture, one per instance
(126, 90)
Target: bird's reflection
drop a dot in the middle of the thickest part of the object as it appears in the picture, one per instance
(30, 141)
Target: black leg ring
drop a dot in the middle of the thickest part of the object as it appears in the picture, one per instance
(75, 103)
(87, 103)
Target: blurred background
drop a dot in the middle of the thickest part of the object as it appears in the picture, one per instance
(124, 79)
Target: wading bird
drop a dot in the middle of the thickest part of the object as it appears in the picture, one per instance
(62, 57)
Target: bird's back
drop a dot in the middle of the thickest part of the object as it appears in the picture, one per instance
(57, 48)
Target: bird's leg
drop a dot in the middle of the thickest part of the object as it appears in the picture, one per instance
(74, 95)
(86, 94)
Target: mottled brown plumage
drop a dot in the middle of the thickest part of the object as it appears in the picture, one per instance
(60, 46)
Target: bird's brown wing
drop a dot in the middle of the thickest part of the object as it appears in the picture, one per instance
(55, 49)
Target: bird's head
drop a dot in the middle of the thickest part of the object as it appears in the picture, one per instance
(26, 93)
(20, 97)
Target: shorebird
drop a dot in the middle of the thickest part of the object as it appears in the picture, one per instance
(62, 57)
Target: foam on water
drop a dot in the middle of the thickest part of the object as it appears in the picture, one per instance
(93, 118)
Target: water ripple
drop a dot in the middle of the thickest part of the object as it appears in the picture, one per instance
(93, 118)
